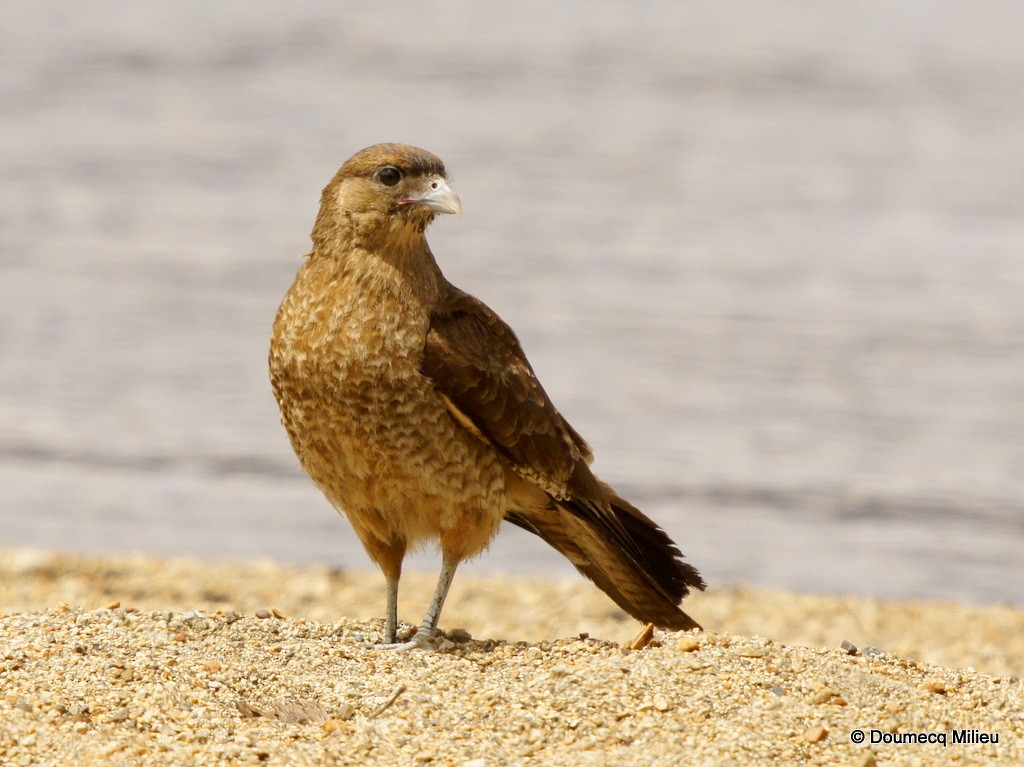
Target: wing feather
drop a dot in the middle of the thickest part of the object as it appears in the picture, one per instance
(476, 363)
(477, 366)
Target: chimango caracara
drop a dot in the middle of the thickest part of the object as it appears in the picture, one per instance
(414, 410)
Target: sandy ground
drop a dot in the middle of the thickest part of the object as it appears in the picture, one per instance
(137, 660)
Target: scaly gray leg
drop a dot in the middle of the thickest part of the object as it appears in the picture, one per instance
(425, 633)
(391, 618)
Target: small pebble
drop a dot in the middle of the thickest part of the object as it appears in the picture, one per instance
(823, 696)
(641, 640)
(936, 686)
(336, 725)
(815, 734)
(687, 644)
(867, 759)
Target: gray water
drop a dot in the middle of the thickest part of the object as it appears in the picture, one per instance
(770, 265)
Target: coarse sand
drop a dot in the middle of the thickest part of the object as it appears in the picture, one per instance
(133, 660)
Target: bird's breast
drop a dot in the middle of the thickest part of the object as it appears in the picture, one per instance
(334, 324)
(366, 424)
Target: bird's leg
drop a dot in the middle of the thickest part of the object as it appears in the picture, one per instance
(391, 618)
(421, 640)
(444, 582)
(388, 556)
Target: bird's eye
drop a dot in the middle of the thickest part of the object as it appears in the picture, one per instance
(389, 175)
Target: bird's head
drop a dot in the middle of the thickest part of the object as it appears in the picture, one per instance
(384, 195)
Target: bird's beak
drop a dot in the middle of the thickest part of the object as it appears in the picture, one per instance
(438, 196)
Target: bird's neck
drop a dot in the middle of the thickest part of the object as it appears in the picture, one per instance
(395, 260)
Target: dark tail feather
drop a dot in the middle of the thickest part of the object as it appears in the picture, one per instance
(624, 553)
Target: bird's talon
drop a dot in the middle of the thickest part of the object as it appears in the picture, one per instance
(421, 640)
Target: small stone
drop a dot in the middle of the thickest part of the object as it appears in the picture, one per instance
(459, 635)
(641, 640)
(849, 647)
(80, 727)
(661, 703)
(277, 613)
(211, 666)
(336, 725)
(778, 690)
(263, 614)
(113, 605)
(867, 759)
(871, 651)
(937, 686)
(687, 644)
(815, 734)
(750, 652)
(823, 696)
(119, 715)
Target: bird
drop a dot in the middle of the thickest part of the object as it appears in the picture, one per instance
(413, 408)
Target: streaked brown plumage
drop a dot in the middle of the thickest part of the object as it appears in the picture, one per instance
(413, 408)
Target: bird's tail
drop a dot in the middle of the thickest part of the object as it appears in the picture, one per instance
(623, 552)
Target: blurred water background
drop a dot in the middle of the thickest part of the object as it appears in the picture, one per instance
(770, 263)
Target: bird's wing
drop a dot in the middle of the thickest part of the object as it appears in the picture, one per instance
(476, 363)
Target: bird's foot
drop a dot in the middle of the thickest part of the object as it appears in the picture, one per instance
(423, 639)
